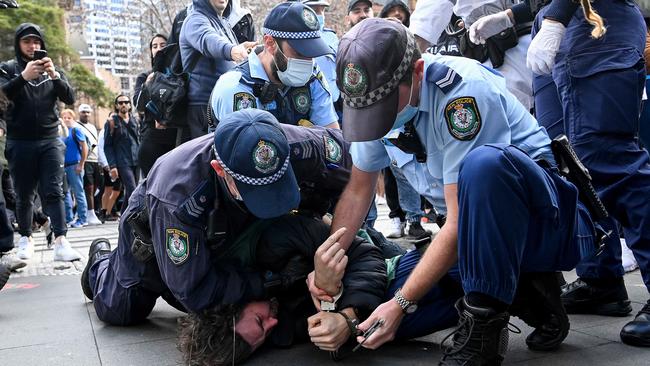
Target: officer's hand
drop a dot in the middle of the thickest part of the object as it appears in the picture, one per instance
(329, 263)
(317, 294)
(392, 314)
(48, 65)
(328, 331)
(489, 26)
(544, 47)
(114, 174)
(33, 70)
(240, 52)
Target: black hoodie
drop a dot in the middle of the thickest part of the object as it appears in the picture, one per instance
(33, 114)
(393, 3)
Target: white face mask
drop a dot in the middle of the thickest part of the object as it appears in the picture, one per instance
(298, 71)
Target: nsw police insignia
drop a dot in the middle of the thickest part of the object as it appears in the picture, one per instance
(265, 157)
(178, 246)
(463, 118)
(301, 100)
(243, 100)
(310, 19)
(333, 151)
(355, 80)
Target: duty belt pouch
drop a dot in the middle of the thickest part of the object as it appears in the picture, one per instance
(468, 49)
(142, 246)
(497, 46)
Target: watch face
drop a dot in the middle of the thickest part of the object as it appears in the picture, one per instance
(411, 309)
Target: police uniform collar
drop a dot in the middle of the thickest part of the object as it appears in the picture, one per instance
(256, 67)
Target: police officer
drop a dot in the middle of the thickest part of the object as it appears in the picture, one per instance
(282, 78)
(508, 212)
(196, 200)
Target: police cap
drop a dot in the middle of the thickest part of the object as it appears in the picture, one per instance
(298, 24)
(252, 148)
(372, 59)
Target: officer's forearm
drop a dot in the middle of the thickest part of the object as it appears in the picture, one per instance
(353, 204)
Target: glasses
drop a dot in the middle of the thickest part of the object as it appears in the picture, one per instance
(120, 102)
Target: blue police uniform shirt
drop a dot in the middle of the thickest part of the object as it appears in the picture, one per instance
(463, 105)
(327, 63)
(230, 95)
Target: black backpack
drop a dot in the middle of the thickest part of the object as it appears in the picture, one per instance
(167, 91)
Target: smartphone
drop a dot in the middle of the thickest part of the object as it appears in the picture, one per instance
(40, 54)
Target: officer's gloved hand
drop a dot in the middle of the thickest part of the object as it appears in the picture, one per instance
(544, 47)
(4, 4)
(489, 26)
(290, 278)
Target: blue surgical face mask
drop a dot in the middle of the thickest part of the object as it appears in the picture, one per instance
(298, 71)
(321, 20)
(406, 114)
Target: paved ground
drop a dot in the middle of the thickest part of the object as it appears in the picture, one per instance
(46, 320)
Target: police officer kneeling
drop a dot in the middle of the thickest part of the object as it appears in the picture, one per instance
(282, 78)
(197, 200)
(511, 219)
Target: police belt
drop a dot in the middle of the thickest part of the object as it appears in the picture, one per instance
(142, 245)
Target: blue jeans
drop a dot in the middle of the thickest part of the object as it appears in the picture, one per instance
(409, 199)
(76, 184)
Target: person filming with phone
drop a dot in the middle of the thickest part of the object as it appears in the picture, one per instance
(35, 154)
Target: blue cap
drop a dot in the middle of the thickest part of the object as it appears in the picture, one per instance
(298, 24)
(252, 148)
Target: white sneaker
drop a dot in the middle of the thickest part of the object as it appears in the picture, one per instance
(629, 262)
(380, 200)
(91, 218)
(25, 247)
(63, 251)
(397, 228)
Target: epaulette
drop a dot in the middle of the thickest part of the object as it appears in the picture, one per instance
(444, 77)
(198, 205)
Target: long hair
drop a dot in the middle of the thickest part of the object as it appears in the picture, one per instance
(209, 338)
(594, 19)
(157, 35)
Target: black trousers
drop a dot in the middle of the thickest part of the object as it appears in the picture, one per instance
(197, 122)
(149, 151)
(392, 196)
(129, 178)
(38, 163)
(6, 231)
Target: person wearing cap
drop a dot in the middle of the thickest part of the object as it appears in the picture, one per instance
(92, 172)
(196, 201)
(282, 78)
(481, 148)
(358, 10)
(34, 151)
(209, 48)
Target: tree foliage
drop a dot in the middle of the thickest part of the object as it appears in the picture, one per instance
(47, 15)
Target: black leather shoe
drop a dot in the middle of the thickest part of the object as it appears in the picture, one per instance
(481, 338)
(637, 332)
(98, 249)
(608, 299)
(416, 231)
(537, 302)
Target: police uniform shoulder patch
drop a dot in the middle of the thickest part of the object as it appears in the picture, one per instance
(333, 151)
(463, 118)
(444, 77)
(177, 245)
(243, 100)
(301, 100)
(309, 17)
(355, 80)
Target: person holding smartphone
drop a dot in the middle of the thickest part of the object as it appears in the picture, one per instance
(35, 154)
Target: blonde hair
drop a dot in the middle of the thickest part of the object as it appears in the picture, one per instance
(69, 111)
(63, 129)
(594, 19)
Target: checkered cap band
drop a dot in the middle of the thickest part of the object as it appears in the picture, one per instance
(384, 90)
(253, 181)
(291, 35)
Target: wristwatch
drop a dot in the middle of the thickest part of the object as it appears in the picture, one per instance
(408, 307)
(331, 306)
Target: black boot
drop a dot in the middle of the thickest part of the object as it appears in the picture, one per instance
(481, 338)
(607, 298)
(416, 231)
(99, 248)
(537, 302)
(637, 332)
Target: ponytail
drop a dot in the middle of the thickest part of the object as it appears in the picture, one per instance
(594, 19)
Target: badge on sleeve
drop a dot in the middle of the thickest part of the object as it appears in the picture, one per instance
(178, 246)
(463, 118)
(243, 100)
(333, 151)
(301, 100)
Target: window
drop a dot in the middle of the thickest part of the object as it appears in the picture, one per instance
(125, 83)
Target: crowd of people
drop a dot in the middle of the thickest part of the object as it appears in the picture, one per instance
(514, 126)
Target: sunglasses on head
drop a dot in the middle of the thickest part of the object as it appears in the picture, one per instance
(120, 102)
